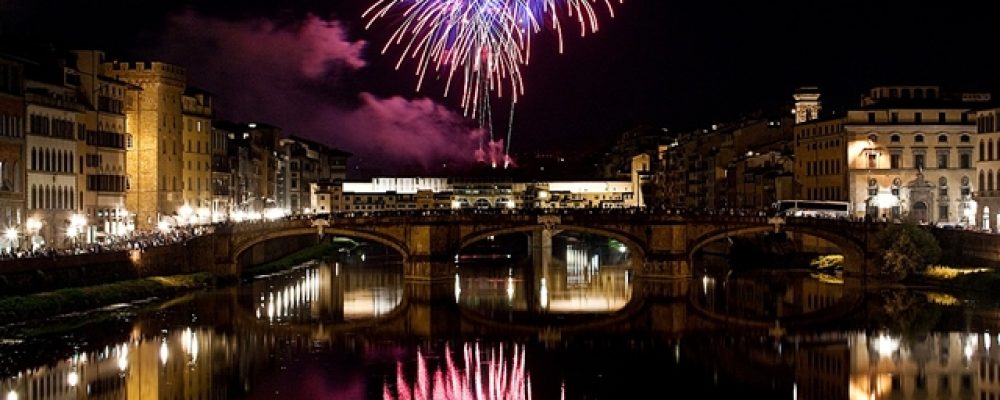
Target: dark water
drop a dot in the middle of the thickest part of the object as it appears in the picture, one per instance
(573, 324)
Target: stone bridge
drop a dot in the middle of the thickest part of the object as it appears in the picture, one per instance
(663, 246)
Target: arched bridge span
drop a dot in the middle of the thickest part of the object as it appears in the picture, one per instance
(662, 244)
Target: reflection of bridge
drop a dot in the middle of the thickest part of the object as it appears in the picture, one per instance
(662, 245)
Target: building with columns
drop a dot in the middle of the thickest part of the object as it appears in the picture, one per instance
(910, 154)
(155, 141)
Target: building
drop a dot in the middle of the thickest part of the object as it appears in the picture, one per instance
(304, 162)
(155, 150)
(987, 189)
(197, 114)
(56, 125)
(12, 160)
(820, 159)
(222, 176)
(103, 172)
(909, 154)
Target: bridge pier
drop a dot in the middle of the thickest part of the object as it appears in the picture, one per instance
(432, 308)
(665, 266)
(428, 269)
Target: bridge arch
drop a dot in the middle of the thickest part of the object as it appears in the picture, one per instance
(633, 243)
(242, 246)
(853, 249)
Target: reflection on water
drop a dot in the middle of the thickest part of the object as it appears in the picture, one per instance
(482, 373)
(768, 295)
(328, 290)
(574, 281)
(351, 329)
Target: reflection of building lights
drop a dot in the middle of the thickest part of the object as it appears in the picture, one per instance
(510, 288)
(543, 294)
(73, 378)
(986, 341)
(458, 288)
(164, 352)
(886, 345)
(123, 357)
(707, 281)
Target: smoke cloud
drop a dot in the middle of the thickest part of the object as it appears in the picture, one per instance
(297, 76)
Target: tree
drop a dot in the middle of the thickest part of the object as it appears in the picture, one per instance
(906, 248)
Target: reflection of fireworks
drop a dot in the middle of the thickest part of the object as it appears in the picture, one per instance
(483, 41)
(495, 377)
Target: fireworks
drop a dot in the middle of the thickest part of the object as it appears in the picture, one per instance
(483, 43)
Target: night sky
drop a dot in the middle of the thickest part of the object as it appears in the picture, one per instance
(311, 68)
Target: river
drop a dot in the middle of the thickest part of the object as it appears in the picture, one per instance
(574, 324)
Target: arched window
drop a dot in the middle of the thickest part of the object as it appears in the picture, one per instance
(34, 159)
(989, 180)
(48, 197)
(989, 150)
(943, 186)
(942, 138)
(982, 181)
(965, 138)
(894, 138)
(919, 138)
(982, 150)
(34, 197)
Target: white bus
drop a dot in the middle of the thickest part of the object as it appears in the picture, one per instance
(812, 208)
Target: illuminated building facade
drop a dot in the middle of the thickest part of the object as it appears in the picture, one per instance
(909, 154)
(987, 192)
(56, 125)
(820, 169)
(12, 162)
(222, 177)
(154, 154)
(197, 113)
(103, 172)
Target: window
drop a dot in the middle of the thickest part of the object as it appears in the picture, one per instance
(942, 117)
(872, 187)
(943, 187)
(872, 160)
(918, 117)
(918, 138)
(942, 159)
(943, 139)
(894, 117)
(871, 117)
(965, 139)
(918, 161)
(943, 212)
(965, 160)
(873, 138)
(894, 138)
(894, 160)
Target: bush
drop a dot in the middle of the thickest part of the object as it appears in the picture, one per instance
(906, 248)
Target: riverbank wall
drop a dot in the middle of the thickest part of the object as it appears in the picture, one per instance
(199, 254)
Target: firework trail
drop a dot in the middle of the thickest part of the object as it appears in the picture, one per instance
(483, 43)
